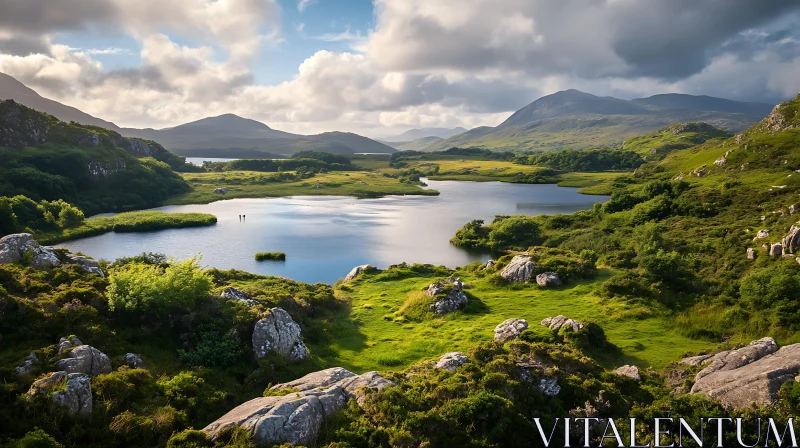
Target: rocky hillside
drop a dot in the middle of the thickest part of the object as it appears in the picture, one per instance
(676, 136)
(92, 167)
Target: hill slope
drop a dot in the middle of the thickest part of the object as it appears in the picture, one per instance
(578, 120)
(416, 134)
(672, 137)
(11, 89)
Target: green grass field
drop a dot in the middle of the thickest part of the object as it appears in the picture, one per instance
(372, 336)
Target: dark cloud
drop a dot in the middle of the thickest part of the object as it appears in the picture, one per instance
(47, 16)
(21, 45)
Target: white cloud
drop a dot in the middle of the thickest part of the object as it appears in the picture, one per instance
(303, 4)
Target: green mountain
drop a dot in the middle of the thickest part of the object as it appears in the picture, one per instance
(578, 120)
(94, 168)
(672, 137)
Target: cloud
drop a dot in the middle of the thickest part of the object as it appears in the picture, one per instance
(303, 4)
(109, 51)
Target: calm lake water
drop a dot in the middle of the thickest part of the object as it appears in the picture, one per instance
(324, 237)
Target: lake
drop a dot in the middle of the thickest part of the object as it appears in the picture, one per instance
(324, 237)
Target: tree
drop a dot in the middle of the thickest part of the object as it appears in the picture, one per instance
(515, 232)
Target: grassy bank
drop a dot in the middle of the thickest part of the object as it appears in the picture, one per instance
(128, 222)
(251, 184)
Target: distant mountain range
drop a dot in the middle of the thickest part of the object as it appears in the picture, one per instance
(416, 134)
(574, 120)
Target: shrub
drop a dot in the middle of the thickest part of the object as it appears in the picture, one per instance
(37, 439)
(515, 232)
(275, 256)
(212, 349)
(189, 438)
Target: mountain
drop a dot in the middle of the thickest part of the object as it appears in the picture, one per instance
(416, 134)
(419, 144)
(576, 120)
(230, 135)
(11, 89)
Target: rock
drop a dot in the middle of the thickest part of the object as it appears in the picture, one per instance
(791, 242)
(350, 383)
(751, 254)
(722, 161)
(18, 247)
(355, 272)
(64, 343)
(489, 264)
(280, 333)
(448, 296)
(696, 360)
(776, 250)
(755, 382)
(238, 296)
(451, 361)
(519, 269)
(221, 191)
(561, 321)
(549, 386)
(629, 371)
(509, 329)
(87, 264)
(85, 359)
(792, 209)
(76, 395)
(733, 359)
(546, 279)
(761, 234)
(28, 365)
(134, 361)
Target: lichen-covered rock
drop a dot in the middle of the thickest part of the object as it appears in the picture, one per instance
(238, 296)
(134, 361)
(776, 250)
(85, 359)
(546, 279)
(20, 247)
(451, 361)
(746, 380)
(278, 332)
(448, 296)
(548, 386)
(28, 365)
(696, 360)
(791, 242)
(519, 269)
(355, 272)
(75, 396)
(67, 343)
(561, 321)
(761, 234)
(353, 385)
(510, 329)
(629, 371)
(733, 359)
(751, 254)
(87, 264)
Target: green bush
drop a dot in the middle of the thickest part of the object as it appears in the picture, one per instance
(37, 439)
(212, 349)
(515, 232)
(274, 256)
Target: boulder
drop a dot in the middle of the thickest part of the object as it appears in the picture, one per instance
(741, 383)
(761, 234)
(87, 264)
(65, 343)
(519, 269)
(28, 365)
(278, 332)
(75, 396)
(548, 279)
(85, 359)
(776, 250)
(733, 359)
(17, 247)
(695, 360)
(751, 254)
(451, 361)
(489, 264)
(560, 321)
(448, 296)
(134, 361)
(298, 416)
(722, 161)
(238, 295)
(355, 272)
(791, 242)
(629, 371)
(510, 329)
(548, 386)
(220, 191)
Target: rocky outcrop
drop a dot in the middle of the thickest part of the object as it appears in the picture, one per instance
(629, 371)
(519, 269)
(75, 394)
(67, 343)
(546, 279)
(298, 416)
(510, 329)
(733, 359)
(776, 250)
(21, 247)
(278, 332)
(747, 380)
(791, 242)
(489, 264)
(448, 296)
(238, 295)
(134, 361)
(28, 366)
(722, 161)
(355, 272)
(85, 359)
(761, 234)
(695, 360)
(534, 371)
(87, 264)
(21, 126)
(548, 386)
(561, 321)
(451, 361)
(220, 191)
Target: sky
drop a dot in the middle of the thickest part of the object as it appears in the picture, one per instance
(382, 67)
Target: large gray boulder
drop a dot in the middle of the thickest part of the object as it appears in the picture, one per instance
(740, 384)
(13, 249)
(238, 295)
(510, 329)
(85, 359)
(546, 279)
(791, 242)
(298, 416)
(87, 264)
(451, 361)
(355, 272)
(519, 269)
(776, 250)
(630, 372)
(278, 332)
(560, 321)
(448, 296)
(75, 394)
(733, 359)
